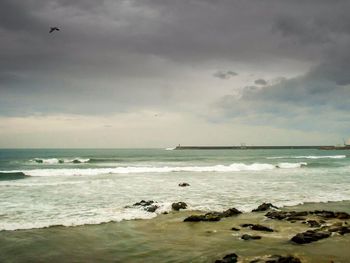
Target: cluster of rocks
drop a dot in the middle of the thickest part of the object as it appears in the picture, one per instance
(300, 215)
(233, 258)
(149, 206)
(310, 236)
(213, 216)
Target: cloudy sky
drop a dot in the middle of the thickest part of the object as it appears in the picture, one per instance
(156, 73)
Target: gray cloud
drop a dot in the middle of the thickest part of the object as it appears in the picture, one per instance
(260, 82)
(117, 56)
(224, 74)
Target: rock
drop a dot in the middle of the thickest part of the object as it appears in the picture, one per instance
(148, 206)
(144, 203)
(342, 230)
(261, 228)
(179, 205)
(76, 161)
(60, 161)
(230, 258)
(330, 214)
(231, 212)
(287, 215)
(213, 216)
(309, 236)
(277, 259)
(39, 161)
(264, 207)
(184, 184)
(151, 208)
(250, 237)
(235, 229)
(258, 227)
(210, 217)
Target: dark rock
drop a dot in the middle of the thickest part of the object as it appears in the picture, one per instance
(235, 229)
(76, 161)
(148, 206)
(287, 215)
(277, 259)
(179, 205)
(330, 214)
(210, 217)
(60, 161)
(250, 237)
(165, 213)
(144, 203)
(39, 161)
(309, 236)
(213, 216)
(257, 227)
(264, 207)
(342, 230)
(230, 258)
(184, 184)
(230, 212)
(151, 208)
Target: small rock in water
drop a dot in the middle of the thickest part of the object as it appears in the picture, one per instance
(179, 205)
(250, 237)
(151, 208)
(309, 236)
(264, 207)
(277, 259)
(235, 229)
(312, 223)
(258, 227)
(230, 258)
(330, 214)
(287, 215)
(184, 184)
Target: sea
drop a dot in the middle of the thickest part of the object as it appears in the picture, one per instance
(40, 188)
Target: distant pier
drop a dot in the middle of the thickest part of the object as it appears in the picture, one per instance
(244, 147)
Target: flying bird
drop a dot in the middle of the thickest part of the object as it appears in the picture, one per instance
(52, 29)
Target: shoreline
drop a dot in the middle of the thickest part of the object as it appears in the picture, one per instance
(166, 238)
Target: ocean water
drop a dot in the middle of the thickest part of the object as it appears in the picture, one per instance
(42, 188)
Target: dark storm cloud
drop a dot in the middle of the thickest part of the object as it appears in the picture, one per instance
(224, 74)
(111, 56)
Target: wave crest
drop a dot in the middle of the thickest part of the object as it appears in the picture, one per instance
(235, 167)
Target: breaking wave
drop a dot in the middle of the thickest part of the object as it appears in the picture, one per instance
(235, 167)
(59, 161)
(309, 157)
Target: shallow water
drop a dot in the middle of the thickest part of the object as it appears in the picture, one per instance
(40, 188)
(167, 239)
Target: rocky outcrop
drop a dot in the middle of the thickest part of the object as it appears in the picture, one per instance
(287, 215)
(277, 259)
(213, 216)
(230, 258)
(184, 184)
(310, 236)
(264, 207)
(149, 206)
(179, 205)
(257, 227)
(330, 214)
(250, 237)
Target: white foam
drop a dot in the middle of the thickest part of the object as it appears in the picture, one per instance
(235, 167)
(309, 157)
(58, 160)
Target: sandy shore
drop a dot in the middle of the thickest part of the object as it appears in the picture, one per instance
(167, 238)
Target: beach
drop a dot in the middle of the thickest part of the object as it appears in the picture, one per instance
(84, 205)
(167, 238)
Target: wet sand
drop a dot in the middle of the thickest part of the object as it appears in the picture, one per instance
(167, 238)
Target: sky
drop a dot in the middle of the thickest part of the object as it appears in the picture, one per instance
(158, 73)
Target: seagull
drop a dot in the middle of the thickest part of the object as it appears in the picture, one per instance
(52, 29)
